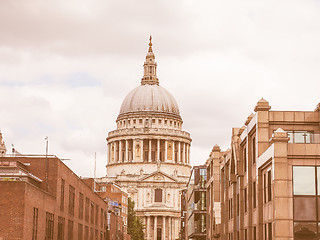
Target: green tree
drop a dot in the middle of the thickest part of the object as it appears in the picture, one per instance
(135, 225)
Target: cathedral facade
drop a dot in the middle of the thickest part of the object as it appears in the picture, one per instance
(149, 154)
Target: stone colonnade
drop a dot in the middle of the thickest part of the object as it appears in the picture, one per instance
(169, 227)
(148, 150)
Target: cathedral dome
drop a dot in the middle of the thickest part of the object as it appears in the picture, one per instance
(149, 98)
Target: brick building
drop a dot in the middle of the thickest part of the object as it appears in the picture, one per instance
(41, 198)
(268, 182)
(118, 208)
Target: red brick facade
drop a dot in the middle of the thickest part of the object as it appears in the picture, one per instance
(64, 207)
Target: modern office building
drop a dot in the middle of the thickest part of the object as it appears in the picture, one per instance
(269, 178)
(196, 204)
(148, 154)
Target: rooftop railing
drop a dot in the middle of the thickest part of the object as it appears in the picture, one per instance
(303, 137)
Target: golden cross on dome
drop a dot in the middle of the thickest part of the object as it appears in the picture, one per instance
(150, 44)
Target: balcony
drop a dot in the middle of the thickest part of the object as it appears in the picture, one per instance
(200, 226)
(200, 205)
(139, 131)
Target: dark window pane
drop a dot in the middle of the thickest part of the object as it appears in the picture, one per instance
(305, 230)
(158, 195)
(270, 231)
(269, 186)
(304, 208)
(303, 180)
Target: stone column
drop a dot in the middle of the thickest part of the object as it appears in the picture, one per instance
(127, 151)
(173, 152)
(115, 157)
(164, 227)
(174, 227)
(142, 150)
(148, 227)
(170, 226)
(133, 150)
(183, 153)
(282, 187)
(155, 228)
(165, 150)
(188, 159)
(109, 153)
(120, 151)
(158, 150)
(262, 126)
(114, 145)
(179, 152)
(186, 153)
(150, 146)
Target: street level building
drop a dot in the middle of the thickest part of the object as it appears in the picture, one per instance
(148, 154)
(118, 205)
(196, 204)
(269, 179)
(183, 221)
(41, 198)
(213, 193)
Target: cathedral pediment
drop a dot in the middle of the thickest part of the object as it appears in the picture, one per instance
(158, 176)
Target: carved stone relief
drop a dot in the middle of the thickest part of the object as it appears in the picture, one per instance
(158, 177)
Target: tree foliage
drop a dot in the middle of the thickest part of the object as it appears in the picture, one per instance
(135, 225)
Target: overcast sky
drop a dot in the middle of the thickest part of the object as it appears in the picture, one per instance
(66, 66)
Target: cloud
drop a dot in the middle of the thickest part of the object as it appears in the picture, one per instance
(66, 66)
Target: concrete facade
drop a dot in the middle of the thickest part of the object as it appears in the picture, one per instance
(149, 154)
(266, 186)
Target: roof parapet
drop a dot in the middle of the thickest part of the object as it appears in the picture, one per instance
(262, 105)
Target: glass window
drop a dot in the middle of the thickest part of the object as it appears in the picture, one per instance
(254, 193)
(299, 137)
(305, 230)
(253, 150)
(244, 159)
(318, 179)
(269, 186)
(304, 208)
(304, 180)
(270, 231)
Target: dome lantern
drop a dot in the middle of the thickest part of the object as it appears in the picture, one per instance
(150, 68)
